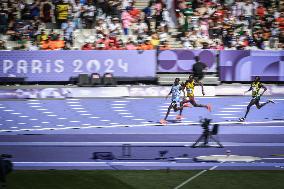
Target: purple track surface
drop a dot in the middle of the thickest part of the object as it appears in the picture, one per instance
(63, 134)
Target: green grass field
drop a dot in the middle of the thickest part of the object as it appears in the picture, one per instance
(162, 179)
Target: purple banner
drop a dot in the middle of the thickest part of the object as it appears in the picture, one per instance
(245, 65)
(182, 60)
(61, 65)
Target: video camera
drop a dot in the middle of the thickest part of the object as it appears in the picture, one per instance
(205, 124)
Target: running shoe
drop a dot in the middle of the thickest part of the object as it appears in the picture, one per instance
(271, 101)
(209, 108)
(163, 122)
(242, 119)
(179, 117)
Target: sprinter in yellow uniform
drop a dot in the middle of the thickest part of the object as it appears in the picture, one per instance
(255, 87)
(189, 87)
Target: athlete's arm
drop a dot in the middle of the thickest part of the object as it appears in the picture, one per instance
(248, 89)
(169, 94)
(264, 89)
(201, 84)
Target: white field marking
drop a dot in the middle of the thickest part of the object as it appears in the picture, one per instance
(72, 102)
(117, 107)
(62, 118)
(167, 103)
(232, 108)
(278, 99)
(163, 109)
(35, 106)
(52, 115)
(127, 116)
(74, 121)
(230, 117)
(94, 117)
(33, 100)
(1, 107)
(121, 101)
(77, 108)
(14, 127)
(133, 98)
(222, 114)
(225, 111)
(73, 105)
(105, 120)
(82, 111)
(72, 99)
(34, 103)
(16, 113)
(118, 104)
(138, 119)
(86, 114)
(47, 112)
(42, 109)
(45, 122)
(124, 113)
(86, 124)
(59, 125)
(144, 122)
(9, 120)
(120, 110)
(23, 116)
(113, 123)
(150, 124)
(33, 119)
(164, 106)
(190, 179)
(238, 105)
(8, 110)
(36, 126)
(22, 123)
(273, 158)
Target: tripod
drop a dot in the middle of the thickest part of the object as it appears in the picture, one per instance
(206, 136)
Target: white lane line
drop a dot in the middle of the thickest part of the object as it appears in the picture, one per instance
(117, 107)
(33, 119)
(222, 114)
(47, 112)
(127, 116)
(73, 105)
(120, 110)
(9, 120)
(36, 126)
(105, 120)
(118, 104)
(59, 125)
(23, 116)
(124, 113)
(190, 179)
(62, 118)
(22, 123)
(14, 127)
(16, 113)
(42, 109)
(34, 103)
(82, 111)
(74, 121)
(52, 115)
(230, 117)
(229, 111)
(94, 117)
(33, 100)
(121, 101)
(113, 123)
(8, 110)
(138, 119)
(45, 122)
(232, 108)
(72, 102)
(238, 105)
(86, 124)
(278, 99)
(35, 106)
(2, 107)
(72, 99)
(77, 108)
(86, 114)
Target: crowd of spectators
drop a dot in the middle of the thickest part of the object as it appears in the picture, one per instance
(207, 24)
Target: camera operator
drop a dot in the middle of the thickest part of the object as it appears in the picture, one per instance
(6, 167)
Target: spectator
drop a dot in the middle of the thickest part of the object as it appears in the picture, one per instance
(77, 10)
(126, 20)
(62, 12)
(89, 13)
(87, 46)
(47, 10)
(2, 45)
(3, 19)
